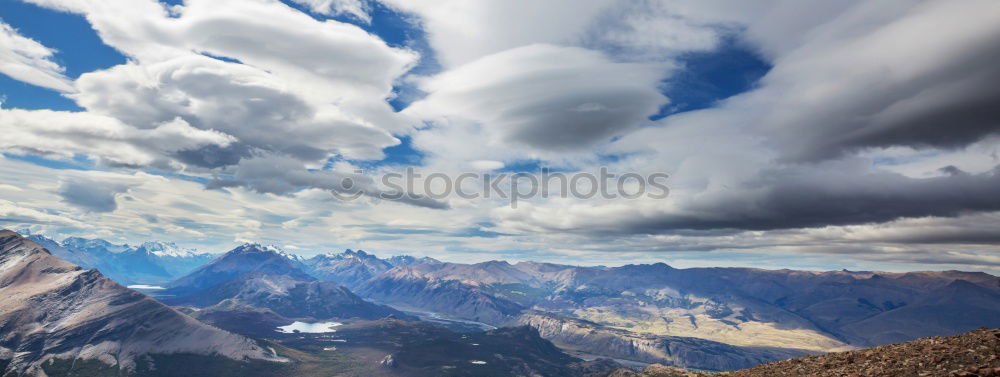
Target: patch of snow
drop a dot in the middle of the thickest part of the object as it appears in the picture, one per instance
(478, 362)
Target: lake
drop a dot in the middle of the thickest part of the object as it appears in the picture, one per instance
(315, 327)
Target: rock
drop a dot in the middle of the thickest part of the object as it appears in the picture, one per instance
(387, 362)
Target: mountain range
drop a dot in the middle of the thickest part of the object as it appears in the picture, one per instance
(150, 263)
(59, 319)
(701, 318)
(791, 311)
(252, 277)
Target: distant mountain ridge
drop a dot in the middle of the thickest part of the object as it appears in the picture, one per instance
(152, 262)
(254, 276)
(52, 310)
(746, 307)
(352, 267)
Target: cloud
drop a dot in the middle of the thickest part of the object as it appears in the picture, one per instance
(250, 104)
(790, 198)
(463, 31)
(660, 30)
(91, 195)
(973, 229)
(868, 141)
(26, 60)
(282, 176)
(633, 30)
(12, 213)
(882, 96)
(545, 96)
(64, 134)
(356, 8)
(937, 93)
(779, 157)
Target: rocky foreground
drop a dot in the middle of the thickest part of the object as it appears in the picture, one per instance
(973, 354)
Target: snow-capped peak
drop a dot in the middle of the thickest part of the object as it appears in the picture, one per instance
(166, 249)
(359, 254)
(256, 247)
(95, 244)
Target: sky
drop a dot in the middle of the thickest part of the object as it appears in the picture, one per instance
(796, 134)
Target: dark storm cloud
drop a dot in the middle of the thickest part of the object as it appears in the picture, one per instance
(949, 99)
(804, 198)
(957, 111)
(797, 197)
(92, 196)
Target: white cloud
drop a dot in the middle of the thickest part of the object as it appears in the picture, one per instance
(248, 103)
(11, 213)
(545, 96)
(662, 30)
(64, 134)
(228, 69)
(25, 59)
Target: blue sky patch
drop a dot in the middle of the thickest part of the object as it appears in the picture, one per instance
(708, 77)
(78, 162)
(79, 48)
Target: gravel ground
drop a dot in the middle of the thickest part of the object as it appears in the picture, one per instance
(973, 354)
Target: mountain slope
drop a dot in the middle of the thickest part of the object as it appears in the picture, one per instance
(400, 286)
(289, 297)
(247, 258)
(51, 309)
(695, 353)
(960, 304)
